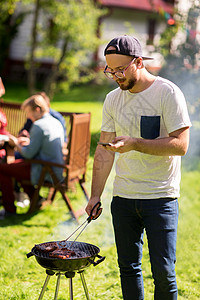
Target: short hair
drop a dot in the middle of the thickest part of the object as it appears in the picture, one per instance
(36, 101)
(44, 95)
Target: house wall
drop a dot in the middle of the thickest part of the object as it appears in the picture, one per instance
(20, 45)
(20, 49)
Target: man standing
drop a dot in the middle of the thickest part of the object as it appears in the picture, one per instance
(146, 121)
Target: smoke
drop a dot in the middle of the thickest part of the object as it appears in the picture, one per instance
(188, 80)
(99, 231)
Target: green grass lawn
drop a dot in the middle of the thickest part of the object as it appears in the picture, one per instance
(22, 278)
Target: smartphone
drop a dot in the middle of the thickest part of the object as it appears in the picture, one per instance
(104, 144)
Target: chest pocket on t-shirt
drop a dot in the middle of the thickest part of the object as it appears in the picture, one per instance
(150, 127)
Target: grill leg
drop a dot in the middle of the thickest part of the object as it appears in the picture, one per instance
(49, 273)
(57, 286)
(44, 287)
(70, 275)
(70, 289)
(84, 285)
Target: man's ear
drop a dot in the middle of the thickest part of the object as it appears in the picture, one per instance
(139, 63)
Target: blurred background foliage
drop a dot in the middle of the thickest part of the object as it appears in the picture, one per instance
(68, 35)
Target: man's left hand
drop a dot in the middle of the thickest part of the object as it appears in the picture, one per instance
(121, 144)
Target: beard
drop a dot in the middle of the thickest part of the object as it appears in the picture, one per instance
(128, 86)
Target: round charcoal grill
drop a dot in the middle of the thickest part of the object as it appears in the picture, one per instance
(85, 255)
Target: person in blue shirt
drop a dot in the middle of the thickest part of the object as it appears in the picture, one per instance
(27, 126)
(25, 132)
(45, 143)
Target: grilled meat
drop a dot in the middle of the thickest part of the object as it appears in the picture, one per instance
(49, 247)
(62, 253)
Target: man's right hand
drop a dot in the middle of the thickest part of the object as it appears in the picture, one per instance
(91, 204)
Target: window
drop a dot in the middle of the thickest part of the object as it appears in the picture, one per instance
(151, 31)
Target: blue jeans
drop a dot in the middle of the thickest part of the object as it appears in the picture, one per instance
(159, 218)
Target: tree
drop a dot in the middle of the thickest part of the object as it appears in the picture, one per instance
(183, 68)
(33, 45)
(9, 24)
(67, 36)
(181, 62)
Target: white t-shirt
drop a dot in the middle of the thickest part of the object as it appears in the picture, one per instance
(152, 113)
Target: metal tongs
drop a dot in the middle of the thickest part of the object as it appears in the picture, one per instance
(88, 220)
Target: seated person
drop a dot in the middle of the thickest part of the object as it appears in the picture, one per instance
(3, 124)
(27, 126)
(3, 133)
(45, 143)
(2, 88)
(25, 132)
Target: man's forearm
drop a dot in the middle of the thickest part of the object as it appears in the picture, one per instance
(103, 162)
(162, 147)
(175, 144)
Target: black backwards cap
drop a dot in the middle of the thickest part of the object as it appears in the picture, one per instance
(125, 45)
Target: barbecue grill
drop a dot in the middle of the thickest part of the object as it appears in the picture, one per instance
(85, 255)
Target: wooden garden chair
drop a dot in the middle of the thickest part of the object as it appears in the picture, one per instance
(74, 169)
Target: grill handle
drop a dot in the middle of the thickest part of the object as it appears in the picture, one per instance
(29, 254)
(95, 263)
